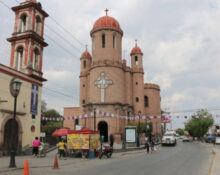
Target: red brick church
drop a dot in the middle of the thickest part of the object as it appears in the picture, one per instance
(110, 87)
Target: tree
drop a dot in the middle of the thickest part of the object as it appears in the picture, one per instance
(180, 131)
(143, 128)
(198, 126)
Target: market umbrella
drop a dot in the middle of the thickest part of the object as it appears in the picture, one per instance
(61, 132)
(210, 137)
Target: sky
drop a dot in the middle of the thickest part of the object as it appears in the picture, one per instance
(180, 41)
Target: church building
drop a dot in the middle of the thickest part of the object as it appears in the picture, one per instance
(109, 85)
(27, 44)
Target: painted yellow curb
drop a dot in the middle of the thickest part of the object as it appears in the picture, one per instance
(213, 162)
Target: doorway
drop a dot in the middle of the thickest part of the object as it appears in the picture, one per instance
(103, 129)
(7, 134)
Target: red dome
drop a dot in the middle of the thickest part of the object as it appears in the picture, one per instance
(136, 49)
(86, 54)
(106, 21)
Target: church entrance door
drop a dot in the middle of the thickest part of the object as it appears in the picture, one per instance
(103, 129)
(7, 134)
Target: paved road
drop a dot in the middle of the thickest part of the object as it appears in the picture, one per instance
(184, 159)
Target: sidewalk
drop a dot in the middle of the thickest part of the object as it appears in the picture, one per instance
(215, 150)
(216, 168)
(48, 161)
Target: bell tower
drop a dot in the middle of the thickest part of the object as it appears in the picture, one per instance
(138, 79)
(27, 40)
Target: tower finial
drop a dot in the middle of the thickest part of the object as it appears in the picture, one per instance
(106, 11)
(86, 47)
(136, 42)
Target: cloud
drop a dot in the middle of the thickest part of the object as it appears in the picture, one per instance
(180, 41)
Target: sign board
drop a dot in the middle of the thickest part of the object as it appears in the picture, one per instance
(78, 127)
(42, 134)
(34, 99)
(83, 141)
(130, 134)
(78, 141)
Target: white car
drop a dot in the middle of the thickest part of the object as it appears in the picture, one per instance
(169, 138)
(186, 139)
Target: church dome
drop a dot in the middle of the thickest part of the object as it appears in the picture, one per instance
(136, 49)
(106, 21)
(86, 54)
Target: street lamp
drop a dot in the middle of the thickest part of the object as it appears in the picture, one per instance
(139, 115)
(15, 85)
(94, 109)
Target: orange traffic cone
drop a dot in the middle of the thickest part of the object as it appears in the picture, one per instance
(55, 166)
(26, 169)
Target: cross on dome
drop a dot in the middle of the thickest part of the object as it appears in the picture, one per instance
(106, 11)
(135, 42)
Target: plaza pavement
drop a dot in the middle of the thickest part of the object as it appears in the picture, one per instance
(48, 161)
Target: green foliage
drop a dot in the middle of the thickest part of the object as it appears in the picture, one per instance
(180, 131)
(50, 126)
(198, 127)
(142, 128)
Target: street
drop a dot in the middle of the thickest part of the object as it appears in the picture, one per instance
(184, 159)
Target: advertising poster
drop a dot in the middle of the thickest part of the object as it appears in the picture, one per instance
(95, 141)
(78, 141)
(130, 135)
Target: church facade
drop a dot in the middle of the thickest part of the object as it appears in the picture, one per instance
(26, 61)
(108, 84)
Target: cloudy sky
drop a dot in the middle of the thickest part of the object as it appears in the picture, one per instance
(180, 41)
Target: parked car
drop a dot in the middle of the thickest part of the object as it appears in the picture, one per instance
(186, 139)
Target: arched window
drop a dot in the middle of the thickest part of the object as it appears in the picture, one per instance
(19, 58)
(36, 59)
(103, 40)
(38, 25)
(136, 60)
(146, 101)
(114, 41)
(23, 22)
(137, 99)
(83, 101)
(84, 64)
(76, 122)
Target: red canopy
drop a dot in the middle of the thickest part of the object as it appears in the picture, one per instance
(87, 131)
(62, 132)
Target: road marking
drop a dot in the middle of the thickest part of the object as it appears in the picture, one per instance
(213, 162)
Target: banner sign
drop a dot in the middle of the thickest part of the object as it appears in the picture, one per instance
(95, 141)
(34, 99)
(130, 134)
(78, 141)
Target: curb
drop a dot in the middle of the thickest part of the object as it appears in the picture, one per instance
(213, 162)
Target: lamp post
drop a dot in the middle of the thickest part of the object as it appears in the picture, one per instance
(15, 85)
(139, 115)
(94, 108)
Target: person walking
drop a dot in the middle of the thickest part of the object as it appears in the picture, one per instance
(61, 148)
(152, 145)
(36, 144)
(111, 140)
(147, 145)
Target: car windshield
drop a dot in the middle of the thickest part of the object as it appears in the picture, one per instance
(168, 134)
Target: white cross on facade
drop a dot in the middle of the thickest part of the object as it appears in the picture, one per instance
(102, 83)
(35, 93)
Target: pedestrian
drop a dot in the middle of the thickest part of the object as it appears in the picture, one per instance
(111, 140)
(152, 145)
(36, 144)
(61, 148)
(147, 145)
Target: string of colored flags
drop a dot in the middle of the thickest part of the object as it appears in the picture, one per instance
(107, 114)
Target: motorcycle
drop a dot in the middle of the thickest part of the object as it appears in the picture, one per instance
(107, 151)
